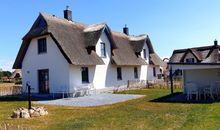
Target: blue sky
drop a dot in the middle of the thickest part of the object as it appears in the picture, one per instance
(171, 24)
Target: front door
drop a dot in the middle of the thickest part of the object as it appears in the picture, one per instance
(43, 77)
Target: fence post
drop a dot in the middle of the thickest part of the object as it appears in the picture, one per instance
(128, 84)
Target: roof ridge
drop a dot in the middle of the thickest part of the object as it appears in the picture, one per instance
(130, 36)
(95, 27)
(63, 20)
(195, 48)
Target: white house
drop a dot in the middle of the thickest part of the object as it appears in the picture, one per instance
(58, 54)
(200, 64)
(16, 74)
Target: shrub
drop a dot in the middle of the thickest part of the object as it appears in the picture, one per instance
(18, 82)
(7, 81)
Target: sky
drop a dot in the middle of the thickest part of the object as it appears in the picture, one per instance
(170, 24)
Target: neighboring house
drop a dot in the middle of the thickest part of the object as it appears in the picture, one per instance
(58, 54)
(200, 64)
(16, 74)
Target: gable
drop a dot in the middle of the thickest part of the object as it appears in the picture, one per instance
(191, 53)
(188, 56)
(53, 54)
(104, 39)
(69, 38)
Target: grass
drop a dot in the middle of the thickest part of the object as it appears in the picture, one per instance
(133, 114)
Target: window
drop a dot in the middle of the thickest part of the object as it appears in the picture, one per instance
(145, 54)
(154, 71)
(137, 54)
(42, 46)
(90, 49)
(135, 73)
(103, 50)
(159, 76)
(119, 74)
(85, 74)
(190, 60)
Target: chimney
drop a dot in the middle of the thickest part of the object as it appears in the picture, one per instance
(68, 14)
(215, 43)
(126, 30)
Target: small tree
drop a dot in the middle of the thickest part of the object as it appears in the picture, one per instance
(7, 73)
(1, 74)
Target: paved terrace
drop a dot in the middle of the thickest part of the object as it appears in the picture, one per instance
(93, 100)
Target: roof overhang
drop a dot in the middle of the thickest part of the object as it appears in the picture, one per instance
(193, 66)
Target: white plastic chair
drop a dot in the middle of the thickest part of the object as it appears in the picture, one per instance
(218, 88)
(192, 89)
(92, 89)
(211, 90)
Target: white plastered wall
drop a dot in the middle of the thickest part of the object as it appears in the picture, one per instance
(52, 60)
(106, 75)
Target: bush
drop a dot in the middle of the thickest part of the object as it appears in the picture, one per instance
(18, 82)
(7, 81)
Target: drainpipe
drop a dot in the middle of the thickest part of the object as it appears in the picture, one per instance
(171, 80)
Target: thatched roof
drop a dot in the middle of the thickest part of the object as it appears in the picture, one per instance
(205, 54)
(156, 60)
(124, 53)
(137, 42)
(73, 39)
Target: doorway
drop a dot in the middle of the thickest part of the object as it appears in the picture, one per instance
(43, 77)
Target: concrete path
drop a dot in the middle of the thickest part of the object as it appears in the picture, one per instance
(93, 100)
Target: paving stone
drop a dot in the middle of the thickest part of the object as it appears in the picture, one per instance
(93, 100)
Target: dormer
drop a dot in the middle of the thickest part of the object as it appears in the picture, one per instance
(191, 56)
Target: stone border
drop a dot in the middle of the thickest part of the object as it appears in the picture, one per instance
(23, 112)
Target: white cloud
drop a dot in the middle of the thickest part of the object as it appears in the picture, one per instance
(6, 64)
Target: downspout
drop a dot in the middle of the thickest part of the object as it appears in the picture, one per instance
(171, 80)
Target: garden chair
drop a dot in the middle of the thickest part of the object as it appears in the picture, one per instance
(218, 88)
(210, 90)
(192, 89)
(92, 89)
(81, 90)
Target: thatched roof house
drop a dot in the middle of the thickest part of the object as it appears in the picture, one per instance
(75, 54)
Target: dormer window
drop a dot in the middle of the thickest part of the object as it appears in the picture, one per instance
(42, 45)
(90, 49)
(145, 53)
(137, 54)
(103, 50)
(190, 60)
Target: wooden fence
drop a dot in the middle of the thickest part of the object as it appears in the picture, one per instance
(10, 90)
(152, 84)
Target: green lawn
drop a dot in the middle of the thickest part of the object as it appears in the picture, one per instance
(134, 114)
